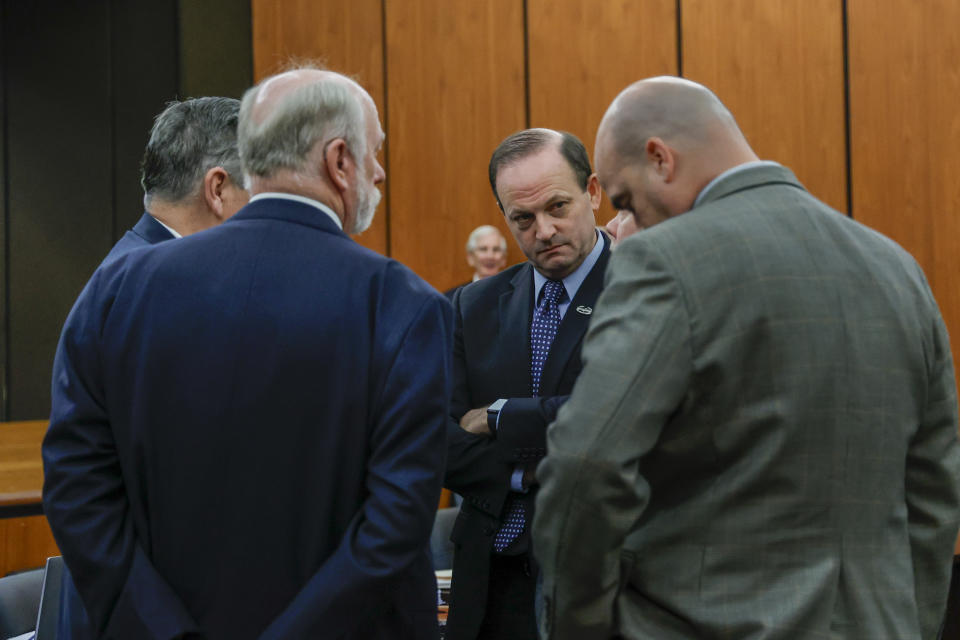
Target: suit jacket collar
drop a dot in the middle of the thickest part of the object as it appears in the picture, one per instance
(749, 179)
(516, 311)
(287, 211)
(574, 324)
(150, 230)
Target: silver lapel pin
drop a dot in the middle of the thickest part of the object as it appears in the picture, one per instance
(584, 310)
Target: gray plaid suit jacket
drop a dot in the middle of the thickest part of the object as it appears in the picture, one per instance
(763, 441)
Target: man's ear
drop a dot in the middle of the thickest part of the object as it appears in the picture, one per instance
(661, 159)
(593, 188)
(214, 182)
(338, 163)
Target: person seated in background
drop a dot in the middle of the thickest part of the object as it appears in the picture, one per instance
(486, 253)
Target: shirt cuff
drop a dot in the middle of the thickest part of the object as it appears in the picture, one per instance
(516, 481)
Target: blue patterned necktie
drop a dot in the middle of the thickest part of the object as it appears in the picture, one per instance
(543, 329)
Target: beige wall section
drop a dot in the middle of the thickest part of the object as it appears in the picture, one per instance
(905, 135)
(455, 88)
(346, 36)
(778, 66)
(582, 53)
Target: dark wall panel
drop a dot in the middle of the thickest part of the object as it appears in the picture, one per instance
(214, 61)
(144, 77)
(57, 57)
(3, 217)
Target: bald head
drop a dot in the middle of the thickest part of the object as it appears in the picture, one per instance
(684, 114)
(314, 133)
(661, 141)
(286, 115)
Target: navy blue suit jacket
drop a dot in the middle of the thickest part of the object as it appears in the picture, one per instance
(491, 361)
(147, 231)
(248, 435)
(74, 622)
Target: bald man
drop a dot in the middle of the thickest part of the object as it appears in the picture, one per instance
(763, 441)
(248, 436)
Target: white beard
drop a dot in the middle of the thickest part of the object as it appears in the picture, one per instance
(368, 197)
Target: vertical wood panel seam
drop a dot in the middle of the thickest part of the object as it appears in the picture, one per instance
(846, 105)
(679, 26)
(526, 67)
(388, 205)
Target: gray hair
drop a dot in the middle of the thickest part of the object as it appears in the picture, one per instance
(481, 231)
(188, 139)
(316, 112)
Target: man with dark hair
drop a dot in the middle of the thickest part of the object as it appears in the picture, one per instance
(190, 172)
(516, 356)
(248, 425)
(763, 441)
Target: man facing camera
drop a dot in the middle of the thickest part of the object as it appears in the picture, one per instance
(516, 357)
(248, 424)
(763, 441)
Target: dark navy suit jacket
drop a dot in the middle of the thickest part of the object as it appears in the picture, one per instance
(248, 436)
(74, 622)
(147, 231)
(491, 361)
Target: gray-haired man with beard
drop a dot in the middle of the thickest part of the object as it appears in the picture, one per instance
(247, 433)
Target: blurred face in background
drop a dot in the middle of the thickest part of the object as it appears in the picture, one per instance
(489, 255)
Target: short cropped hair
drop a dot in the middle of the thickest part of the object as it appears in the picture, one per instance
(316, 112)
(188, 139)
(484, 230)
(530, 141)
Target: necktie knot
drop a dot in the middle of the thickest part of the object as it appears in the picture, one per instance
(552, 292)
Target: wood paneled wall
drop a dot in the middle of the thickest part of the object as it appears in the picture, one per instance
(455, 88)
(25, 543)
(778, 66)
(571, 45)
(858, 97)
(905, 135)
(346, 36)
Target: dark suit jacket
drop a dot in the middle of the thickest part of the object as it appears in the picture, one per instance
(248, 433)
(147, 231)
(763, 442)
(491, 361)
(74, 622)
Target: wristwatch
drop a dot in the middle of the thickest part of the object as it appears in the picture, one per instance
(493, 414)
